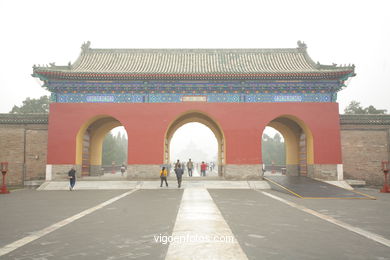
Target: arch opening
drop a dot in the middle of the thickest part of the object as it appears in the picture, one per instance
(298, 144)
(196, 142)
(89, 145)
(203, 121)
(273, 151)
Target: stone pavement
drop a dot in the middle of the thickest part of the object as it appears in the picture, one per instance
(191, 223)
(117, 182)
(172, 184)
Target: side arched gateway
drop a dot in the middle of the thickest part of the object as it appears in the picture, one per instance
(89, 143)
(298, 139)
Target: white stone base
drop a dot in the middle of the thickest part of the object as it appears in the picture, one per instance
(60, 171)
(243, 171)
(143, 171)
(328, 172)
(340, 172)
(49, 169)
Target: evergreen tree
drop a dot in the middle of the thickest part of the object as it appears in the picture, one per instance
(373, 111)
(273, 150)
(32, 105)
(108, 149)
(354, 108)
(114, 149)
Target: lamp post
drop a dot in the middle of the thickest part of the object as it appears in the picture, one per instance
(4, 169)
(385, 169)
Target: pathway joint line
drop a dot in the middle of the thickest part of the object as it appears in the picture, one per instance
(199, 217)
(359, 231)
(25, 240)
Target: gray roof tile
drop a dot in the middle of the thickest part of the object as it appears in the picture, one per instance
(24, 118)
(346, 119)
(191, 63)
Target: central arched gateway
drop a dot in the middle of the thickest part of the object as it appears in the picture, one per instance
(199, 117)
(235, 92)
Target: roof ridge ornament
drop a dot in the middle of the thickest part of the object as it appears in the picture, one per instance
(86, 46)
(302, 45)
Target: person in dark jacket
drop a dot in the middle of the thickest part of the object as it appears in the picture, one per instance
(190, 167)
(72, 178)
(177, 164)
(123, 169)
(179, 173)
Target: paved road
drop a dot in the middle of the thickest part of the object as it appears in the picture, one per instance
(26, 211)
(121, 230)
(264, 227)
(269, 229)
(370, 215)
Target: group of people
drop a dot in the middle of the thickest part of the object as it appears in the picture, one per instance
(179, 171)
(190, 165)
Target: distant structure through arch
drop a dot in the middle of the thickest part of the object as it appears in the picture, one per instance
(194, 116)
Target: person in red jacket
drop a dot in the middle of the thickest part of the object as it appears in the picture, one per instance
(203, 168)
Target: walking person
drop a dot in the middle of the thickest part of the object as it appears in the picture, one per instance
(163, 176)
(123, 169)
(190, 167)
(179, 173)
(203, 168)
(72, 178)
(177, 164)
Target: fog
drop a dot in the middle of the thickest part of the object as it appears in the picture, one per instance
(342, 32)
(195, 141)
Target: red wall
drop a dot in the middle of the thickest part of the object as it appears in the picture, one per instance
(147, 123)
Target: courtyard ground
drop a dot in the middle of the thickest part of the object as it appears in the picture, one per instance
(137, 224)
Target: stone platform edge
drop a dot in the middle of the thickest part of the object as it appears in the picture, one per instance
(126, 185)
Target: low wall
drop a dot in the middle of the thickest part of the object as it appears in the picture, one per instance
(23, 144)
(365, 142)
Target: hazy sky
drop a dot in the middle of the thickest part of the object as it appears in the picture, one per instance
(199, 137)
(203, 139)
(342, 32)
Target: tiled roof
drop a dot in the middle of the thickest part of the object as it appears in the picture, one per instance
(193, 64)
(24, 119)
(365, 119)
